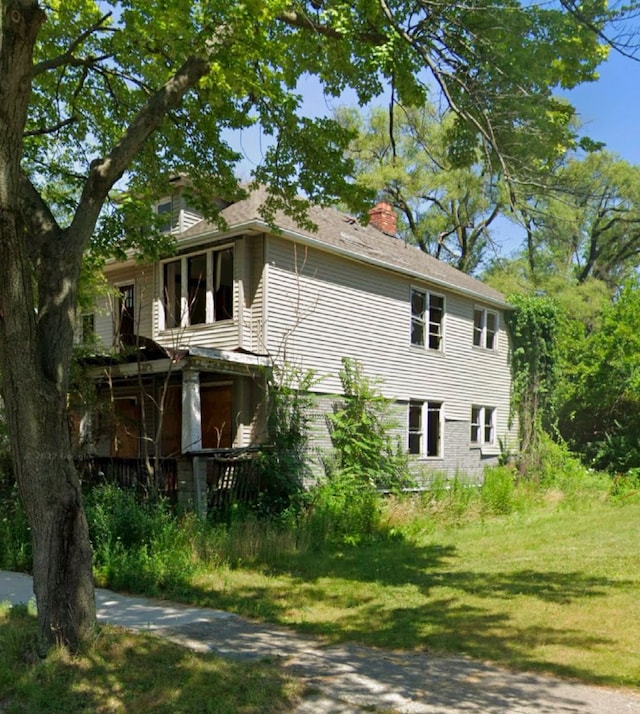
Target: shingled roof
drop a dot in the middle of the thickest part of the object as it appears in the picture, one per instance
(341, 233)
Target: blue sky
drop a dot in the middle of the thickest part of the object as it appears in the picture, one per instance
(609, 108)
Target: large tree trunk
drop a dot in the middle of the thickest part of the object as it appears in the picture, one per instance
(34, 365)
(50, 491)
(36, 334)
(39, 269)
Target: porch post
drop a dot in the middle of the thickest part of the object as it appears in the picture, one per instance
(86, 432)
(191, 412)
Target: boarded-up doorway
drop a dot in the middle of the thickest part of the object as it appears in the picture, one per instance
(125, 439)
(217, 425)
(171, 429)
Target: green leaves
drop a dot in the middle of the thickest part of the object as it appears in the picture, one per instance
(443, 208)
(534, 327)
(602, 407)
(360, 427)
(497, 64)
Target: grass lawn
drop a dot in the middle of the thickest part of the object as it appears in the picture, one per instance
(132, 674)
(553, 589)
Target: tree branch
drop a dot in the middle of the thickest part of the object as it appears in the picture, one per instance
(39, 220)
(68, 57)
(50, 129)
(105, 172)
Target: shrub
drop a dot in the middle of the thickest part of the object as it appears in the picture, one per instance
(344, 510)
(359, 428)
(284, 466)
(138, 545)
(626, 486)
(15, 534)
(498, 491)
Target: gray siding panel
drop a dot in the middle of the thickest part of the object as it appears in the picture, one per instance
(323, 307)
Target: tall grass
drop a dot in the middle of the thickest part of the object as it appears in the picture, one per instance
(145, 547)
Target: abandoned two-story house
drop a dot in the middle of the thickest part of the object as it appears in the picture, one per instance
(207, 324)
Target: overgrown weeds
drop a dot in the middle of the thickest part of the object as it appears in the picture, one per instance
(140, 545)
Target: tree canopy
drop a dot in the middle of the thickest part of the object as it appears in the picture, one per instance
(444, 209)
(99, 95)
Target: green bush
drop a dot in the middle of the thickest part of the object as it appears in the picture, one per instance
(360, 427)
(498, 492)
(344, 510)
(138, 545)
(626, 486)
(283, 467)
(15, 534)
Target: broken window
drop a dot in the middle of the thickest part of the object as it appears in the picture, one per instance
(198, 289)
(427, 315)
(425, 428)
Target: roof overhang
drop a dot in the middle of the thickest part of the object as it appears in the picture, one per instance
(259, 226)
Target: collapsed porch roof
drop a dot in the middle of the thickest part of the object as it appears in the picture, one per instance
(145, 356)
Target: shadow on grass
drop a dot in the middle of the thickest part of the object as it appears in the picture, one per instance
(136, 673)
(400, 595)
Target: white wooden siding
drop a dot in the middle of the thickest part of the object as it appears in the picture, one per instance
(323, 307)
(254, 279)
(188, 215)
(142, 278)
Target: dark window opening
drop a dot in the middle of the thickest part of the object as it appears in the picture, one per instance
(433, 429)
(197, 296)
(223, 284)
(173, 294)
(126, 316)
(436, 312)
(415, 427)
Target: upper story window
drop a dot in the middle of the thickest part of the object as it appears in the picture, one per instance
(198, 289)
(164, 209)
(427, 315)
(425, 428)
(483, 425)
(485, 328)
(125, 316)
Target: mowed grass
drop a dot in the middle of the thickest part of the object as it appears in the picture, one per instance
(554, 589)
(130, 673)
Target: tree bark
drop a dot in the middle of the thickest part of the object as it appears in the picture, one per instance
(36, 332)
(34, 392)
(39, 269)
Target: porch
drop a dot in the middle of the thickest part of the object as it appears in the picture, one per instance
(206, 481)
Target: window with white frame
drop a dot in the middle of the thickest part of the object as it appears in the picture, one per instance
(485, 328)
(425, 428)
(427, 315)
(483, 425)
(198, 289)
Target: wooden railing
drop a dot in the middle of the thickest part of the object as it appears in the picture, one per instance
(132, 474)
(233, 476)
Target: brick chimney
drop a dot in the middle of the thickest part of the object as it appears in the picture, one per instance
(384, 218)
